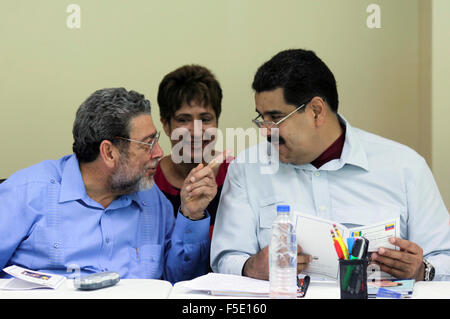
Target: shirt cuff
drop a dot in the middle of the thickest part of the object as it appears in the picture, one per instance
(233, 264)
(441, 264)
(192, 231)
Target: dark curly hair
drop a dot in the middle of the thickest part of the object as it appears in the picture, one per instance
(301, 74)
(103, 116)
(186, 84)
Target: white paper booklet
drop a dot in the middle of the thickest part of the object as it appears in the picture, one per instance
(228, 285)
(313, 235)
(29, 279)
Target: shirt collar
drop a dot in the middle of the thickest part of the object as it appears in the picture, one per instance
(352, 153)
(72, 187)
(334, 151)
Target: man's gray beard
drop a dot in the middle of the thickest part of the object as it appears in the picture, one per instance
(146, 183)
(121, 183)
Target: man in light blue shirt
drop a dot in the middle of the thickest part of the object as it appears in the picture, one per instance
(98, 210)
(327, 169)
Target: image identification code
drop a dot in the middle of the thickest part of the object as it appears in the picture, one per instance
(230, 308)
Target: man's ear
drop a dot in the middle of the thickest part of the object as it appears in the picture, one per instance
(109, 153)
(319, 109)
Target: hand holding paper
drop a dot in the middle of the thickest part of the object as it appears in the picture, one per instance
(313, 234)
(403, 263)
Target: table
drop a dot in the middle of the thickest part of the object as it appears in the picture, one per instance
(316, 290)
(159, 289)
(327, 290)
(432, 290)
(124, 289)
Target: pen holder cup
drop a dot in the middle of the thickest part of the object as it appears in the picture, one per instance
(353, 279)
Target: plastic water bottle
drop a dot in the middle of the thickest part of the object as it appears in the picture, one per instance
(283, 255)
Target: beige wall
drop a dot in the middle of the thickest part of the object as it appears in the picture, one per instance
(440, 96)
(47, 69)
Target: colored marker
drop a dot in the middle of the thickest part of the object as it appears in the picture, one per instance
(337, 247)
(341, 242)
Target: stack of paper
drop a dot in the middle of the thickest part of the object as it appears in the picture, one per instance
(228, 285)
(29, 279)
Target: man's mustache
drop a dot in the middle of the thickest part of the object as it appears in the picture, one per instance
(280, 140)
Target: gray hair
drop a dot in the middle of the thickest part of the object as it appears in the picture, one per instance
(103, 116)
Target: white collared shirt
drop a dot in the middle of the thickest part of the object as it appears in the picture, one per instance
(375, 179)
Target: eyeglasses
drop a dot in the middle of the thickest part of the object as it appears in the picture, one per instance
(151, 145)
(272, 124)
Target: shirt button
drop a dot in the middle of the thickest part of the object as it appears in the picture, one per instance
(316, 174)
(107, 240)
(56, 245)
(144, 203)
(323, 208)
(52, 181)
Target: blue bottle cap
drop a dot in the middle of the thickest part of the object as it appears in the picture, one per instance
(283, 208)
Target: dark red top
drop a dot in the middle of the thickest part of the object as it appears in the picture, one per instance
(173, 194)
(332, 152)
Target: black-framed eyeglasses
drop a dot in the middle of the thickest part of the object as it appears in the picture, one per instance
(272, 124)
(151, 144)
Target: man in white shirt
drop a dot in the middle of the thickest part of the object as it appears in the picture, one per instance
(328, 169)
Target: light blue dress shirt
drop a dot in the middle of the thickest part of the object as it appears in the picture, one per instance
(48, 223)
(374, 180)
